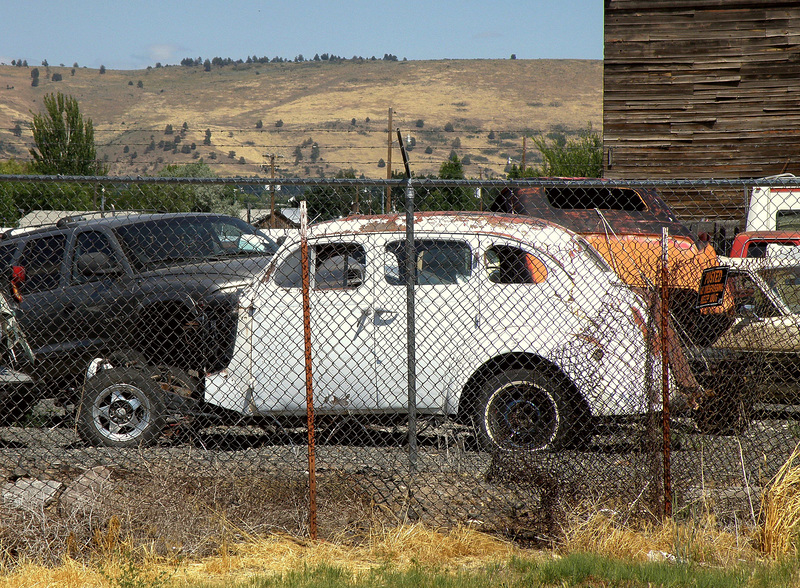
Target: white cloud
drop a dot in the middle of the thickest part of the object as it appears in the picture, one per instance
(162, 52)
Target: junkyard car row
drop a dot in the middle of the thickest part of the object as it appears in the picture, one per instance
(522, 329)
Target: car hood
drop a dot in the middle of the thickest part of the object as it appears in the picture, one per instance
(773, 334)
(228, 269)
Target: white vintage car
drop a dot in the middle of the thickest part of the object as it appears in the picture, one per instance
(521, 328)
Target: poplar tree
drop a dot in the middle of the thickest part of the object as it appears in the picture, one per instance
(63, 140)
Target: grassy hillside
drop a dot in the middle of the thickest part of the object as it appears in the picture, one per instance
(342, 108)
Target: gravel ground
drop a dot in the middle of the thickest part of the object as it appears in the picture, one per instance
(448, 481)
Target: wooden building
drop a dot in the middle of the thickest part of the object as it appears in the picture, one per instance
(701, 89)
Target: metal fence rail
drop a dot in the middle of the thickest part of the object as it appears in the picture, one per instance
(466, 351)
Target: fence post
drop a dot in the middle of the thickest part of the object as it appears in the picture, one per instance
(306, 285)
(410, 270)
(665, 370)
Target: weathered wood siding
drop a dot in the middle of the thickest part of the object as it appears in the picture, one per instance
(701, 89)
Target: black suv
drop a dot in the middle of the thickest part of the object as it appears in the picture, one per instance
(156, 288)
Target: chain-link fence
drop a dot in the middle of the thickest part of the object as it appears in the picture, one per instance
(307, 353)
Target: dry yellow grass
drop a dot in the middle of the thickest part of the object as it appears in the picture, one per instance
(587, 529)
(317, 101)
(780, 510)
(700, 541)
(697, 541)
(399, 548)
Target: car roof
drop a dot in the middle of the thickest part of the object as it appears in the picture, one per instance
(586, 209)
(93, 219)
(520, 227)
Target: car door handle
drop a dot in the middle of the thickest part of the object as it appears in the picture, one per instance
(380, 321)
(362, 320)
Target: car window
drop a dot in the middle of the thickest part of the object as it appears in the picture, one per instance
(749, 298)
(785, 283)
(7, 254)
(787, 220)
(756, 249)
(90, 242)
(41, 258)
(437, 262)
(511, 265)
(336, 266)
(339, 265)
(165, 242)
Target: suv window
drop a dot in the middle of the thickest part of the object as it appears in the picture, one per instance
(7, 254)
(337, 266)
(90, 242)
(41, 258)
(787, 220)
(438, 263)
(162, 242)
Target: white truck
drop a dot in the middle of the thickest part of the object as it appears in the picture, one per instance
(774, 208)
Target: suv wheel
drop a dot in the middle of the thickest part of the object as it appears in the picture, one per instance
(122, 407)
(523, 410)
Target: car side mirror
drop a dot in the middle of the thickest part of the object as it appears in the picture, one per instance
(96, 264)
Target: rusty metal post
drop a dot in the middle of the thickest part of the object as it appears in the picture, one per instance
(665, 371)
(410, 269)
(312, 470)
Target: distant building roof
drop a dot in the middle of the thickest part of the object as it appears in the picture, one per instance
(46, 217)
(285, 218)
(293, 214)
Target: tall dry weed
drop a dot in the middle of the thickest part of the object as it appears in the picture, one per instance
(780, 510)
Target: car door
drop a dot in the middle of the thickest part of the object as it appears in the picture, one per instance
(760, 326)
(343, 361)
(40, 312)
(446, 295)
(764, 339)
(93, 299)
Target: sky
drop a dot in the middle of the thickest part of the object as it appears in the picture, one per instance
(134, 34)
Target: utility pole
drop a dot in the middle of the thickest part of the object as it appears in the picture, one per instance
(389, 166)
(272, 190)
(522, 175)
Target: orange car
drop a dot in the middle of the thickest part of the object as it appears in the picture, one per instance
(624, 225)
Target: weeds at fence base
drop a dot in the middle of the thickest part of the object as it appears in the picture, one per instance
(603, 531)
(165, 514)
(396, 549)
(175, 516)
(780, 510)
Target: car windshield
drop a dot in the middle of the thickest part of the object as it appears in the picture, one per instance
(167, 241)
(785, 282)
